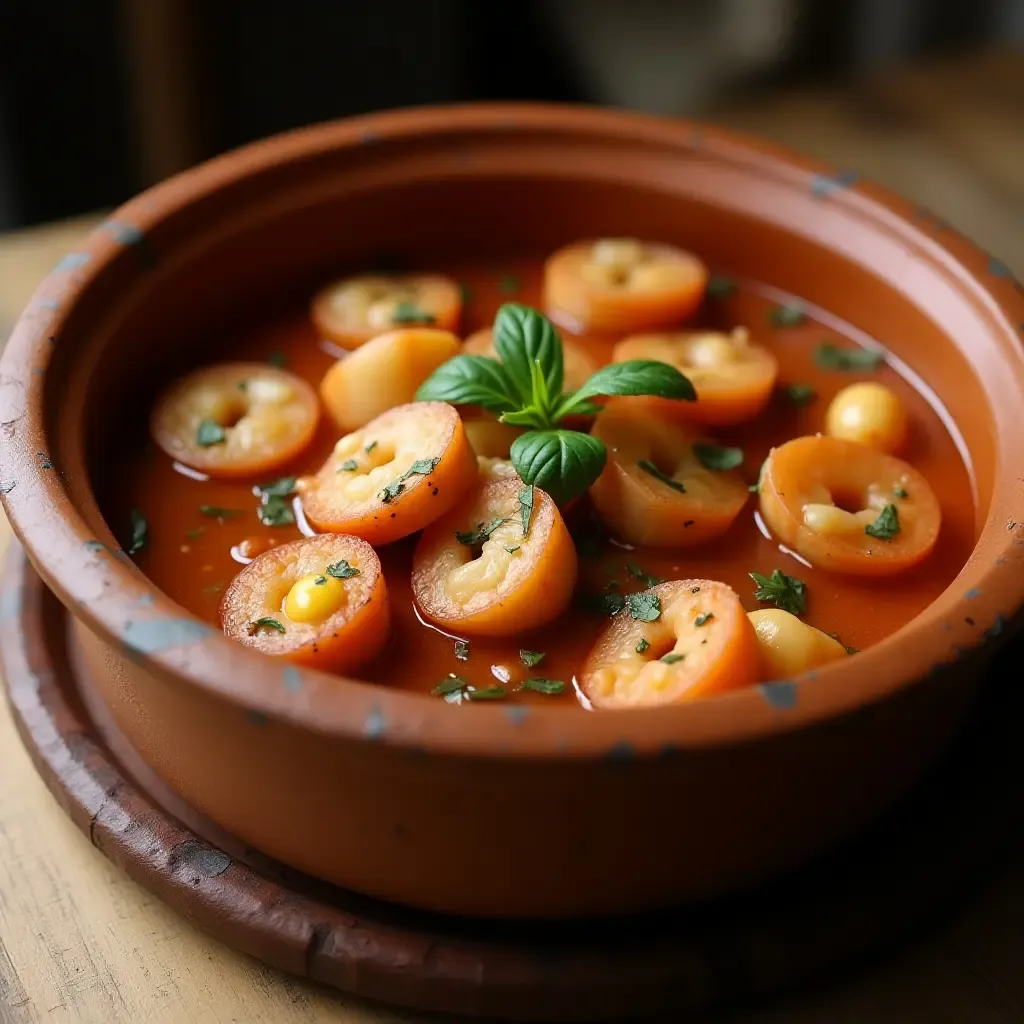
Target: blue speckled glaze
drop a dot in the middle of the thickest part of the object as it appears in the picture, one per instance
(72, 261)
(151, 636)
(95, 545)
(145, 601)
(6, 486)
(374, 724)
(10, 602)
(256, 717)
(781, 695)
(51, 304)
(972, 594)
(122, 232)
(621, 751)
(516, 713)
(997, 268)
(292, 678)
(998, 625)
(824, 185)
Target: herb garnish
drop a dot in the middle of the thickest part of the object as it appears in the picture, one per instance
(140, 532)
(523, 387)
(462, 650)
(342, 570)
(671, 658)
(713, 456)
(649, 467)
(526, 508)
(421, 467)
(479, 533)
(790, 314)
(348, 466)
(549, 686)
(801, 394)
(410, 313)
(275, 509)
(703, 617)
(488, 693)
(900, 492)
(642, 645)
(886, 526)
(319, 580)
(216, 512)
(512, 551)
(605, 604)
(209, 433)
(264, 623)
(721, 287)
(369, 448)
(832, 357)
(453, 684)
(645, 606)
(785, 592)
(194, 534)
(646, 579)
(531, 658)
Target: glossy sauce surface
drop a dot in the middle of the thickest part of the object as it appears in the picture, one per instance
(189, 554)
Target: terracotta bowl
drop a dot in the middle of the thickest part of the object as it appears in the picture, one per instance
(506, 811)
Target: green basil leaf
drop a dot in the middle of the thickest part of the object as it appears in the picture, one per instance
(522, 337)
(636, 377)
(471, 380)
(528, 417)
(562, 462)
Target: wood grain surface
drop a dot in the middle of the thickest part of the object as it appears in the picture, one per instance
(81, 944)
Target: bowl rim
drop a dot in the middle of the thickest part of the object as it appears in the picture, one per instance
(103, 588)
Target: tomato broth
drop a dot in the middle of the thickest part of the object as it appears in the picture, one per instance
(196, 526)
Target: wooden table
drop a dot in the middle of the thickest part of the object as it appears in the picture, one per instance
(81, 944)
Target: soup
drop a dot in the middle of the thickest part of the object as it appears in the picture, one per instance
(614, 625)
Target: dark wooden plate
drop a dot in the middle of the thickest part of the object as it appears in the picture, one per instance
(910, 869)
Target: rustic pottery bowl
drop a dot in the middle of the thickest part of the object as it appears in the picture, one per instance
(506, 811)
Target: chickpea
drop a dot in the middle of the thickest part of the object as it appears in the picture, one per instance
(869, 414)
(314, 598)
(789, 646)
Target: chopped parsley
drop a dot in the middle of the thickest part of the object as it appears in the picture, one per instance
(531, 658)
(276, 511)
(785, 592)
(342, 570)
(886, 526)
(512, 551)
(649, 467)
(462, 650)
(488, 693)
(605, 604)
(900, 492)
(348, 466)
(217, 512)
(703, 618)
(645, 606)
(209, 433)
(265, 623)
(551, 687)
(319, 580)
(526, 508)
(194, 534)
(713, 456)
(280, 488)
(721, 287)
(790, 314)
(671, 658)
(453, 684)
(369, 448)
(801, 394)
(645, 579)
(480, 533)
(845, 360)
(642, 645)
(140, 532)
(410, 313)
(421, 467)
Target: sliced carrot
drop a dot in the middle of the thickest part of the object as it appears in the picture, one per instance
(654, 489)
(356, 309)
(236, 419)
(849, 508)
(699, 643)
(733, 378)
(320, 602)
(394, 476)
(500, 562)
(622, 284)
(383, 373)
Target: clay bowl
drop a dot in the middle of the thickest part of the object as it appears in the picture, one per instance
(506, 811)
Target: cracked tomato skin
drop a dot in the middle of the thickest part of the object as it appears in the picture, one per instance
(622, 285)
(265, 418)
(392, 477)
(335, 623)
(495, 581)
(701, 644)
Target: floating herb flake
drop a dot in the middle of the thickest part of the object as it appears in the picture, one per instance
(801, 394)
(265, 623)
(671, 658)
(649, 467)
(645, 579)
(342, 570)
(642, 645)
(369, 448)
(526, 508)
(717, 458)
(140, 532)
(703, 618)
(789, 314)
(900, 492)
(209, 433)
(645, 606)
(462, 650)
(217, 512)
(551, 687)
(785, 592)
(488, 693)
(886, 526)
(453, 684)
(531, 658)
(411, 313)
(348, 466)
(845, 360)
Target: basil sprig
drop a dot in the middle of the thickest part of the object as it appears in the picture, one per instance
(523, 387)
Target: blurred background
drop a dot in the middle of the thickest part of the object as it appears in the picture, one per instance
(100, 98)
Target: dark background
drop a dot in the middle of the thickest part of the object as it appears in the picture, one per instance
(99, 98)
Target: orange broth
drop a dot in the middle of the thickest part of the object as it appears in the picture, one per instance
(189, 555)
